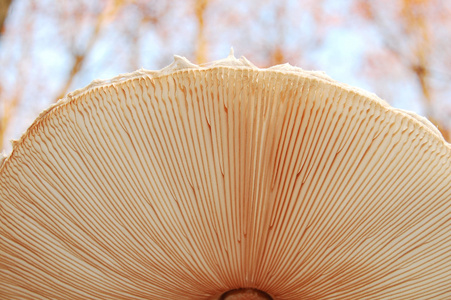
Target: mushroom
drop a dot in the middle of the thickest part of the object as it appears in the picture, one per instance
(226, 181)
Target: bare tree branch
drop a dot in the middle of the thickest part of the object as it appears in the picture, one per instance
(201, 51)
(4, 9)
(79, 57)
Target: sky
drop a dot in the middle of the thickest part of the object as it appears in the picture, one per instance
(252, 28)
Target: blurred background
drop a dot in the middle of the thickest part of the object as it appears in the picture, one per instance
(398, 49)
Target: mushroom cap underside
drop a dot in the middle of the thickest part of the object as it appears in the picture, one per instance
(193, 181)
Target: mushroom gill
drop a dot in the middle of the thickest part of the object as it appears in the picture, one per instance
(226, 181)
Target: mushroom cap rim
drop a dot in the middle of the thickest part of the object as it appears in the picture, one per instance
(181, 64)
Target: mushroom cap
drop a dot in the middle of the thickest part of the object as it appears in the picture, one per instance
(189, 182)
